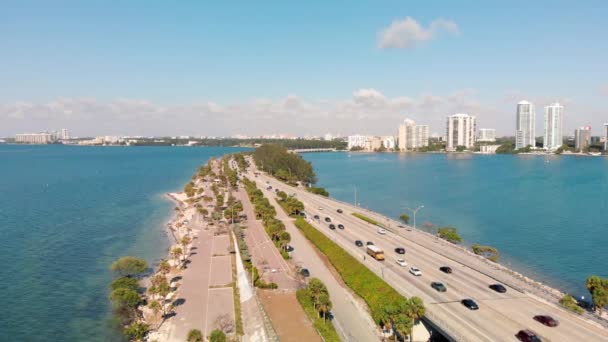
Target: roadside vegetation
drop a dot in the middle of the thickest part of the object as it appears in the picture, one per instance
(318, 191)
(288, 167)
(570, 303)
(488, 252)
(405, 218)
(450, 234)
(291, 205)
(598, 288)
(387, 306)
(315, 301)
(367, 219)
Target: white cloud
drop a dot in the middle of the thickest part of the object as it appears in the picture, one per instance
(406, 33)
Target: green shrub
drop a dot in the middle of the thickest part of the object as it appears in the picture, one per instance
(217, 336)
(570, 303)
(318, 191)
(137, 331)
(450, 234)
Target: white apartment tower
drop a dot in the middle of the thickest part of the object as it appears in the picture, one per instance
(65, 134)
(606, 140)
(553, 138)
(582, 138)
(525, 125)
(412, 136)
(460, 131)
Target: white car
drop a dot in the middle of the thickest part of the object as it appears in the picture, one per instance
(382, 231)
(401, 262)
(320, 208)
(415, 271)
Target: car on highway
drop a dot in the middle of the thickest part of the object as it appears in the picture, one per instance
(359, 243)
(305, 272)
(381, 231)
(439, 286)
(546, 320)
(316, 217)
(527, 336)
(327, 219)
(470, 304)
(340, 226)
(498, 288)
(320, 208)
(400, 250)
(445, 269)
(369, 243)
(289, 248)
(269, 188)
(401, 262)
(276, 190)
(339, 211)
(415, 271)
(332, 226)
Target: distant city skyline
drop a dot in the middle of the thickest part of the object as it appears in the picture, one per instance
(217, 69)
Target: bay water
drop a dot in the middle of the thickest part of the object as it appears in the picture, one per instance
(548, 216)
(66, 213)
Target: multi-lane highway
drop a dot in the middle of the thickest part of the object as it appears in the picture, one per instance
(500, 315)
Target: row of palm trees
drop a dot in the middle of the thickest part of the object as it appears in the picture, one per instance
(400, 316)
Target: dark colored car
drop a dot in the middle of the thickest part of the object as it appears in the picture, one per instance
(359, 243)
(546, 320)
(317, 217)
(438, 286)
(339, 211)
(445, 269)
(527, 336)
(332, 226)
(498, 288)
(400, 250)
(327, 219)
(305, 272)
(340, 226)
(276, 190)
(470, 304)
(369, 243)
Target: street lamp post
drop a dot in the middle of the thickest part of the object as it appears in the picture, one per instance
(414, 211)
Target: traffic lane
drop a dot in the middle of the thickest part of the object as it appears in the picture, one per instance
(406, 288)
(533, 304)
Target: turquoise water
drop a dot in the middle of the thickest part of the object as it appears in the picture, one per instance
(65, 214)
(547, 216)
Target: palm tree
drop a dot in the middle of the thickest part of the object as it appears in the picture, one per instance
(195, 335)
(185, 241)
(415, 311)
(316, 289)
(325, 304)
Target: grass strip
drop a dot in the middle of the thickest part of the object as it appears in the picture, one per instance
(325, 328)
(366, 219)
(365, 283)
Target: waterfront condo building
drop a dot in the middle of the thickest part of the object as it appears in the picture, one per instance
(388, 142)
(486, 135)
(357, 141)
(35, 138)
(65, 134)
(460, 131)
(553, 138)
(582, 138)
(412, 136)
(525, 127)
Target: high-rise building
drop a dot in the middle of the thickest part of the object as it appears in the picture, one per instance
(388, 142)
(582, 138)
(460, 131)
(606, 138)
(486, 135)
(553, 138)
(65, 134)
(412, 136)
(525, 127)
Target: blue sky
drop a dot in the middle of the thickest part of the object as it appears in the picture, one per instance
(206, 63)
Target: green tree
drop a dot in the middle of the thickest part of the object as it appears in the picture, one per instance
(164, 267)
(137, 331)
(282, 195)
(598, 287)
(217, 336)
(176, 253)
(125, 282)
(450, 234)
(570, 303)
(124, 297)
(460, 148)
(324, 305)
(195, 335)
(405, 218)
(129, 266)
